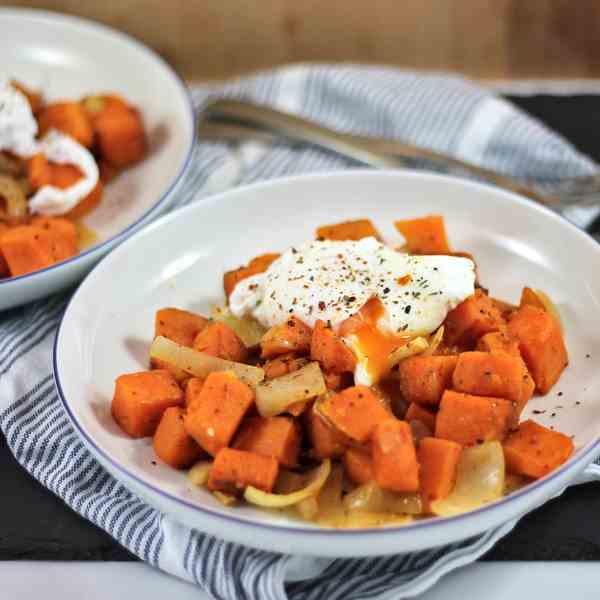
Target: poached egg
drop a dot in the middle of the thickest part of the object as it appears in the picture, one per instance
(375, 298)
(18, 130)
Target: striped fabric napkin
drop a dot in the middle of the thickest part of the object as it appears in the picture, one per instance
(437, 111)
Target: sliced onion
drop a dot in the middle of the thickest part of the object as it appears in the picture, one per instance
(434, 342)
(225, 499)
(249, 330)
(331, 510)
(317, 480)
(199, 473)
(307, 508)
(359, 520)
(274, 396)
(14, 198)
(369, 497)
(416, 346)
(200, 364)
(479, 480)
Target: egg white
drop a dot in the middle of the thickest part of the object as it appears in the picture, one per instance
(332, 280)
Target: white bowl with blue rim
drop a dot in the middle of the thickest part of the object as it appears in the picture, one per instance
(179, 261)
(67, 57)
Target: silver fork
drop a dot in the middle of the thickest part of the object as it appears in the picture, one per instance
(236, 119)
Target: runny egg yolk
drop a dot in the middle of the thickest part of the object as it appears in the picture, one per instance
(372, 345)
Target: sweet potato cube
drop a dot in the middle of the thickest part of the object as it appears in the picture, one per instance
(528, 296)
(292, 336)
(426, 235)
(358, 465)
(39, 172)
(470, 420)
(355, 411)
(68, 117)
(534, 450)
(502, 342)
(218, 339)
(348, 230)
(395, 465)
(257, 265)
(416, 412)
(498, 341)
(64, 176)
(108, 172)
(95, 105)
(338, 381)
(471, 319)
(279, 437)
(4, 270)
(64, 235)
(141, 399)
(120, 136)
(325, 441)
(423, 379)
(172, 443)
(193, 389)
(234, 470)
(29, 248)
(541, 344)
(438, 459)
(486, 374)
(216, 413)
(180, 326)
(506, 309)
(330, 351)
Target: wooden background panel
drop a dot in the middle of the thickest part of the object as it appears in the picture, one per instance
(213, 39)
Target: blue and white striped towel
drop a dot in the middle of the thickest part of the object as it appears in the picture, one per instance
(438, 111)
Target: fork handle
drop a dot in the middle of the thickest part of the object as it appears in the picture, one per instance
(375, 152)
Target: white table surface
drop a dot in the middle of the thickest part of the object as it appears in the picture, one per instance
(104, 581)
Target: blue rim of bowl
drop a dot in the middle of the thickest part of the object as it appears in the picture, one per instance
(116, 239)
(584, 458)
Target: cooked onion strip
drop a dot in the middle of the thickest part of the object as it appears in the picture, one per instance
(199, 473)
(249, 330)
(14, 199)
(373, 499)
(307, 508)
(225, 499)
(358, 520)
(330, 507)
(434, 342)
(200, 364)
(416, 346)
(317, 481)
(274, 396)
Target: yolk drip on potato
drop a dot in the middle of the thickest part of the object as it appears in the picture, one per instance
(372, 344)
